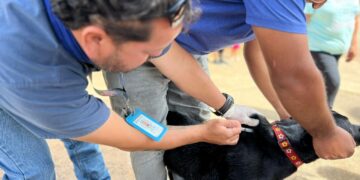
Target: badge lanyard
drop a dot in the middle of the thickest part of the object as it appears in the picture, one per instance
(120, 92)
(135, 117)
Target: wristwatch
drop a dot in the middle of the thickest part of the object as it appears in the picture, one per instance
(228, 103)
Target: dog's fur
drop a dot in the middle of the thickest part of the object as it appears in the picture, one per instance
(256, 156)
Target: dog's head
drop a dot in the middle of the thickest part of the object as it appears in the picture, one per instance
(298, 137)
(291, 127)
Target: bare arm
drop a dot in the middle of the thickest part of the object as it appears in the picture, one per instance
(354, 41)
(180, 67)
(300, 88)
(117, 133)
(259, 72)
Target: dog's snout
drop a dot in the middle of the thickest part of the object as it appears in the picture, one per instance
(357, 136)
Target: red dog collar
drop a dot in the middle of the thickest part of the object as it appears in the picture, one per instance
(285, 145)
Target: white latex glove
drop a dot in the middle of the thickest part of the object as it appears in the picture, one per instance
(242, 113)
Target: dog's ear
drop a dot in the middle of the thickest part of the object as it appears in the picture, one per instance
(339, 116)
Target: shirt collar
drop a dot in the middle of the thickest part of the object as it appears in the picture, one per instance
(65, 37)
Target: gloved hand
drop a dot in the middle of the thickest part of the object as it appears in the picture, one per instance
(242, 113)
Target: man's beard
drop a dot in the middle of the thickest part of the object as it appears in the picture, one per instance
(112, 64)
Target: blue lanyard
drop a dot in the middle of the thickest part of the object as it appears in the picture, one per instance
(65, 37)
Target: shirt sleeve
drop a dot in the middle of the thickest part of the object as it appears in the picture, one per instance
(53, 111)
(286, 16)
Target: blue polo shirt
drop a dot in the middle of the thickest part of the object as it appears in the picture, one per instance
(227, 22)
(42, 84)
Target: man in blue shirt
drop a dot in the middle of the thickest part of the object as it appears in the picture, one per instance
(43, 73)
(280, 29)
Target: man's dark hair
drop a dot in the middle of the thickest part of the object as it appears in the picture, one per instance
(123, 20)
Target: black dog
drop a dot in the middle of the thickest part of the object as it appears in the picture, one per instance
(256, 156)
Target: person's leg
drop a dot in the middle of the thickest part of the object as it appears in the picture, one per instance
(87, 160)
(235, 52)
(146, 88)
(186, 105)
(220, 59)
(22, 154)
(328, 65)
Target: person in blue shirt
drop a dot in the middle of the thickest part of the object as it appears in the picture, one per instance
(280, 30)
(47, 49)
(333, 31)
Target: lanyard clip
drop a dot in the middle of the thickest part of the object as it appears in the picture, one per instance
(127, 109)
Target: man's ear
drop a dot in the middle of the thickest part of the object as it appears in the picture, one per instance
(91, 40)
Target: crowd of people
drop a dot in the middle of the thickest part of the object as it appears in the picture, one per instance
(153, 54)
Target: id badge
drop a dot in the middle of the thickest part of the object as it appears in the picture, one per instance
(146, 125)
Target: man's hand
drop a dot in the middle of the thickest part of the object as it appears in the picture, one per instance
(351, 53)
(222, 132)
(337, 145)
(242, 114)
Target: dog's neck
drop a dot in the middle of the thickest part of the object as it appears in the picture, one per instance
(299, 139)
(301, 142)
(285, 146)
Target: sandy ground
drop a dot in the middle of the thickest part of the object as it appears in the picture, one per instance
(233, 77)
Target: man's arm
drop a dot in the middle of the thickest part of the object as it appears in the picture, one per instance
(301, 89)
(259, 72)
(117, 133)
(180, 67)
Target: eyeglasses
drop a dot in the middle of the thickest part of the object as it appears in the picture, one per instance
(176, 13)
